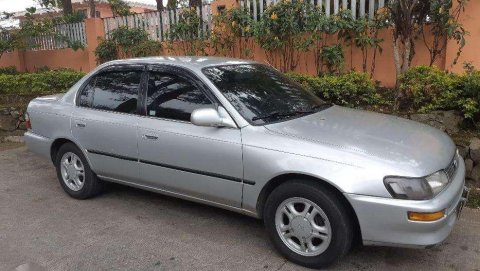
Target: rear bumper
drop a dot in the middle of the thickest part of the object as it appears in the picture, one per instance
(38, 144)
(384, 221)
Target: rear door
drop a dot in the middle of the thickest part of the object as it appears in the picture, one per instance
(105, 121)
(178, 156)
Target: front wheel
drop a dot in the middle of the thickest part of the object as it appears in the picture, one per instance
(308, 223)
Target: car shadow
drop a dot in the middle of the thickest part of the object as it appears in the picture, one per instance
(361, 257)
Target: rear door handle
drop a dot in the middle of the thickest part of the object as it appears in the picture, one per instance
(150, 137)
(80, 125)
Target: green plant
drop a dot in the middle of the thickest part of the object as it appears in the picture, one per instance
(106, 51)
(119, 8)
(186, 35)
(444, 26)
(474, 198)
(333, 58)
(318, 28)
(48, 82)
(125, 42)
(21, 39)
(11, 70)
(409, 20)
(363, 33)
(232, 26)
(352, 89)
(280, 32)
(428, 88)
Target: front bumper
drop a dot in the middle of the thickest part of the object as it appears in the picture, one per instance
(384, 221)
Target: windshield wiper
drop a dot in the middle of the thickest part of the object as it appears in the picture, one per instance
(276, 114)
(320, 107)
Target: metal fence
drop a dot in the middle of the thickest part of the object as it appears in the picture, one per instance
(74, 33)
(157, 23)
(359, 8)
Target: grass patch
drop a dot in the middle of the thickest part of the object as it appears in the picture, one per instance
(474, 198)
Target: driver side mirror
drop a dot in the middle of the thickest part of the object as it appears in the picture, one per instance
(211, 117)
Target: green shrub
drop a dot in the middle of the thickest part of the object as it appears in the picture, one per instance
(126, 42)
(428, 88)
(48, 82)
(352, 89)
(8, 70)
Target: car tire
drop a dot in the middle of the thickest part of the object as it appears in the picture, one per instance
(74, 173)
(325, 240)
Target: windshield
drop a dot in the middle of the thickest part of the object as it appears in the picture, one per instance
(261, 94)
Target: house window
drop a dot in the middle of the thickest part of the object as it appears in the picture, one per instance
(83, 12)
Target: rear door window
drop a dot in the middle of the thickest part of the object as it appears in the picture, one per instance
(113, 91)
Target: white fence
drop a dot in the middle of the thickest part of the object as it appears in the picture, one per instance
(157, 24)
(359, 8)
(74, 33)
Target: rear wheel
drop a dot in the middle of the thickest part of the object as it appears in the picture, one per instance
(74, 173)
(308, 223)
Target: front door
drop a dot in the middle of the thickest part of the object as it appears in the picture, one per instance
(104, 122)
(179, 157)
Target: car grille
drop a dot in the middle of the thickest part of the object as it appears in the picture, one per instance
(452, 167)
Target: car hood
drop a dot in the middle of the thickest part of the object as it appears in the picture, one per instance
(395, 141)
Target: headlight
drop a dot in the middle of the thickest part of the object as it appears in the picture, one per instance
(416, 188)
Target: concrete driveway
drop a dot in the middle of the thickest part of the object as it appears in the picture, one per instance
(130, 229)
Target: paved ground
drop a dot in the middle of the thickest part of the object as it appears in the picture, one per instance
(130, 229)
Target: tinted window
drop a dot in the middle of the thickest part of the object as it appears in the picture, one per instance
(116, 91)
(173, 97)
(87, 94)
(262, 94)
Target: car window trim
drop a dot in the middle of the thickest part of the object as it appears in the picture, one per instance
(113, 68)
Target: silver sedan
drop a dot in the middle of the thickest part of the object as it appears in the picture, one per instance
(239, 135)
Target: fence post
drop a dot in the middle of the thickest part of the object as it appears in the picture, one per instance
(94, 30)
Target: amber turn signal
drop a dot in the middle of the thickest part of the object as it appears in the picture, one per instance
(426, 217)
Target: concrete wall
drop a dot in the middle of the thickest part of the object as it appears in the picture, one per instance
(471, 52)
(81, 59)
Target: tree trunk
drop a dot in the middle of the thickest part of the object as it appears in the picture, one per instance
(194, 3)
(159, 5)
(398, 70)
(396, 59)
(67, 7)
(91, 5)
(171, 4)
(407, 55)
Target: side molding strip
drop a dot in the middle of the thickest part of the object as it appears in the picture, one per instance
(210, 174)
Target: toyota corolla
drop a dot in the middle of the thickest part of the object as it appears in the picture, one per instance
(239, 135)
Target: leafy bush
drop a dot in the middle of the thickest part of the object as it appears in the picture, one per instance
(429, 88)
(8, 70)
(48, 82)
(350, 89)
(186, 35)
(126, 42)
(280, 33)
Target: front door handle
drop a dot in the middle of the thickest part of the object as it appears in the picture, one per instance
(150, 137)
(80, 124)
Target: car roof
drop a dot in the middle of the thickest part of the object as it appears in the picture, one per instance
(191, 62)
